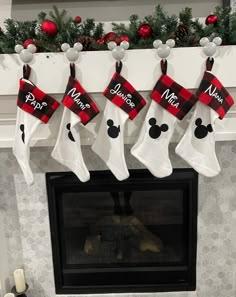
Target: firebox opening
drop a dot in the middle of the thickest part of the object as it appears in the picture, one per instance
(132, 236)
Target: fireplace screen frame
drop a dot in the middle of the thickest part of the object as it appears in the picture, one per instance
(74, 280)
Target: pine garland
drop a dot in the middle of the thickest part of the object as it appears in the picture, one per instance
(183, 28)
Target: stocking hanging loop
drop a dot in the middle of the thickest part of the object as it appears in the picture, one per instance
(209, 63)
(26, 71)
(164, 66)
(119, 66)
(72, 70)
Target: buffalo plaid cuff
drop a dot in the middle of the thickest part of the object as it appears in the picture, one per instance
(123, 94)
(173, 97)
(78, 101)
(36, 102)
(212, 93)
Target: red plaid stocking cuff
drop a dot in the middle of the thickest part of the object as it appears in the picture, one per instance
(173, 97)
(212, 93)
(123, 94)
(78, 101)
(36, 102)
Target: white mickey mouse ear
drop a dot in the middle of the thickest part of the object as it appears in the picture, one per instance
(111, 45)
(18, 48)
(32, 48)
(204, 41)
(124, 44)
(170, 43)
(217, 41)
(65, 47)
(78, 46)
(157, 43)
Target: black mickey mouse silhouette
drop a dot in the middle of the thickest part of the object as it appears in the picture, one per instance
(69, 133)
(155, 130)
(201, 131)
(22, 128)
(113, 131)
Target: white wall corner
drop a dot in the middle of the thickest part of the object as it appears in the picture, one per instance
(5, 10)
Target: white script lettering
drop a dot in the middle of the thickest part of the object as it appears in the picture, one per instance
(37, 105)
(127, 98)
(76, 98)
(171, 98)
(214, 94)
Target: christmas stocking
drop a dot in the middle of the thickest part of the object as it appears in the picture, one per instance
(33, 107)
(170, 103)
(124, 102)
(197, 147)
(79, 108)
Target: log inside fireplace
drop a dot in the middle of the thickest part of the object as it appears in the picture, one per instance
(138, 235)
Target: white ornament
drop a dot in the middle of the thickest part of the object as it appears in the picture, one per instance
(78, 46)
(32, 48)
(26, 56)
(65, 47)
(204, 41)
(170, 43)
(118, 53)
(163, 51)
(111, 45)
(217, 41)
(18, 48)
(72, 54)
(210, 49)
(157, 43)
(124, 44)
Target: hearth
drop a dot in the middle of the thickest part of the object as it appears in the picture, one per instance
(137, 235)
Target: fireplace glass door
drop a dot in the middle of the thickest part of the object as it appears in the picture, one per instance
(132, 236)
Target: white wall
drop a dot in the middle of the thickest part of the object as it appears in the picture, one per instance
(110, 10)
(5, 10)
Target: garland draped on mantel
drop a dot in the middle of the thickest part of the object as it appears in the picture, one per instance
(48, 32)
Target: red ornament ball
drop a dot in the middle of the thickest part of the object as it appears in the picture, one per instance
(49, 27)
(211, 19)
(145, 31)
(118, 40)
(28, 42)
(124, 38)
(111, 36)
(78, 19)
(100, 41)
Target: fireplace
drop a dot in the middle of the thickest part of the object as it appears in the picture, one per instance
(138, 235)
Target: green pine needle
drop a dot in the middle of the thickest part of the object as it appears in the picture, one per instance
(163, 25)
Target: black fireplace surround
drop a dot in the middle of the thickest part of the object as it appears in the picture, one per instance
(138, 235)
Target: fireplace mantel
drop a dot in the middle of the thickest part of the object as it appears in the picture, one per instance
(94, 69)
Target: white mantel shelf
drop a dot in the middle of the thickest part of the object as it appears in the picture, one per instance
(50, 73)
(94, 69)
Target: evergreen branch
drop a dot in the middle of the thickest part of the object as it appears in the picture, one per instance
(98, 31)
(185, 30)
(42, 16)
(58, 17)
(185, 16)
